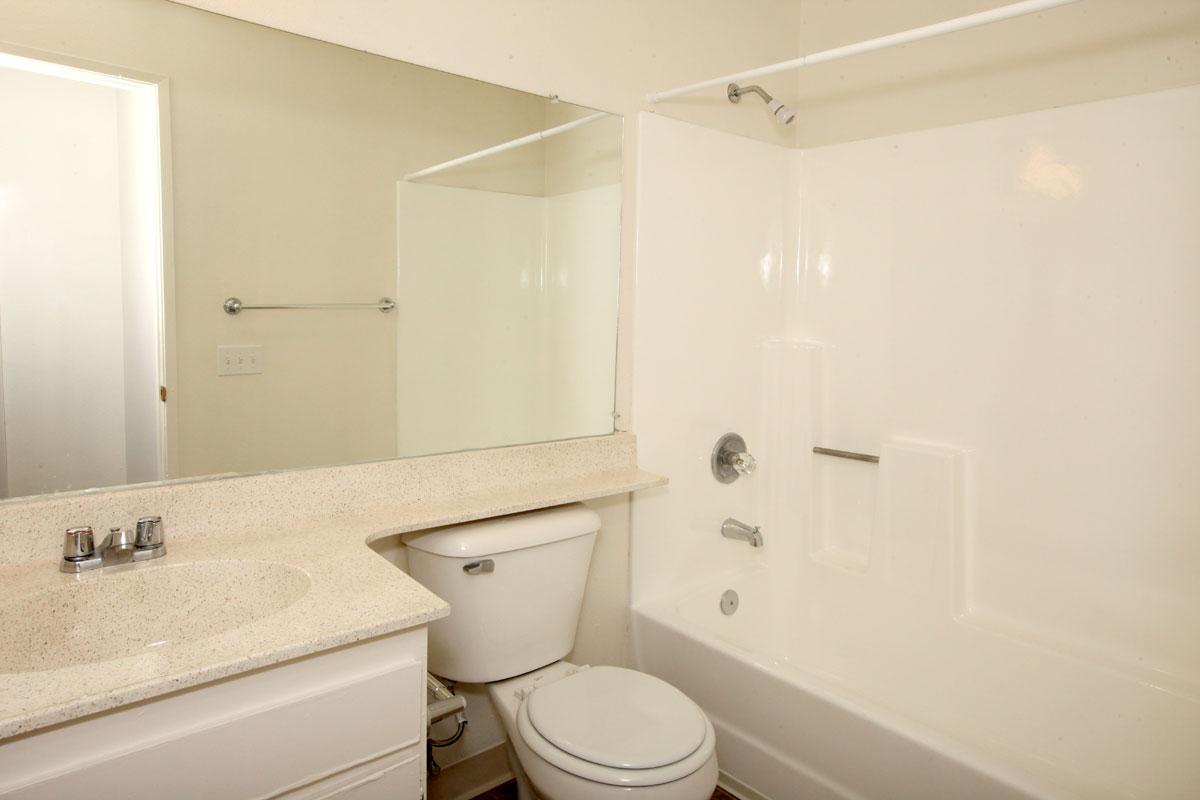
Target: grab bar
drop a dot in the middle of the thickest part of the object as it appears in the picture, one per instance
(829, 451)
(234, 305)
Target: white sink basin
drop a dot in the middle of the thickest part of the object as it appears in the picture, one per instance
(112, 615)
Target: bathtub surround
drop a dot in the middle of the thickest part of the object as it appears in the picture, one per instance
(1004, 605)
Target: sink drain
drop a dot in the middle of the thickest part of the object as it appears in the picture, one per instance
(729, 602)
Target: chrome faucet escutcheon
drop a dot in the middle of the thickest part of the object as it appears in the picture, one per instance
(120, 546)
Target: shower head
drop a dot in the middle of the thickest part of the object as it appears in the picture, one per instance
(781, 112)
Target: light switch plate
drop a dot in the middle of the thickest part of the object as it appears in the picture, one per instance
(239, 359)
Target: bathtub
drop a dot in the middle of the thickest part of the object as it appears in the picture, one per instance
(812, 698)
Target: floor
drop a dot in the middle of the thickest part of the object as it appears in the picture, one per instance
(508, 791)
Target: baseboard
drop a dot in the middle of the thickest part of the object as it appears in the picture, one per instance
(471, 776)
(738, 789)
(487, 770)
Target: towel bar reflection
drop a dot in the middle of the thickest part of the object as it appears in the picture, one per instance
(234, 305)
(829, 451)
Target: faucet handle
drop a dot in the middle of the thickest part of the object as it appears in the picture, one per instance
(731, 459)
(79, 543)
(149, 532)
(743, 463)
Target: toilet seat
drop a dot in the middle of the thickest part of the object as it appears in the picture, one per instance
(617, 727)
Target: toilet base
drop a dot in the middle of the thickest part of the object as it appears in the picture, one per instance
(524, 787)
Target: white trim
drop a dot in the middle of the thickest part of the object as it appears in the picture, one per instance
(57, 69)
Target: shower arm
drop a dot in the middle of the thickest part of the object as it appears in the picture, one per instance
(735, 92)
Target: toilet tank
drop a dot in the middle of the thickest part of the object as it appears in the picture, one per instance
(515, 587)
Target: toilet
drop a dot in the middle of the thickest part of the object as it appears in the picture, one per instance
(515, 587)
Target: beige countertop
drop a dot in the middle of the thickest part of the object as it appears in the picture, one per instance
(353, 594)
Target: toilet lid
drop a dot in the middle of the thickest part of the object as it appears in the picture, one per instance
(617, 718)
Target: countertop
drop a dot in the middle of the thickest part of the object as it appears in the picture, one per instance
(354, 594)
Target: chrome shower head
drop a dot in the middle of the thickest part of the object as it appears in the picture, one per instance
(781, 112)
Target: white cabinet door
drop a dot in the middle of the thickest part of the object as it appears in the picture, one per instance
(350, 716)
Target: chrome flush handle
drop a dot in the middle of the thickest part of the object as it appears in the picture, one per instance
(480, 567)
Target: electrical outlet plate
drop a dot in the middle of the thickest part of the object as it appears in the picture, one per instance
(239, 359)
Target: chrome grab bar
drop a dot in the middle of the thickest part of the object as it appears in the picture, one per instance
(829, 451)
(234, 305)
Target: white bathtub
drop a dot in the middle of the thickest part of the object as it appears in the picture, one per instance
(812, 698)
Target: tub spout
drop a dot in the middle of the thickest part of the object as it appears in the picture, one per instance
(733, 529)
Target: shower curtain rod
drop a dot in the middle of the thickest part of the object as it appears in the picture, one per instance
(891, 40)
(500, 148)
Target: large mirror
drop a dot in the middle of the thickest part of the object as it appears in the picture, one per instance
(229, 249)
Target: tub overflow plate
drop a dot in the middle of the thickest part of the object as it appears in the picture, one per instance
(729, 602)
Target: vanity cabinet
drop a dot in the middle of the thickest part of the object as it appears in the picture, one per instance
(347, 724)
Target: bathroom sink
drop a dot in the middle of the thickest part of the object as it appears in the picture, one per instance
(123, 613)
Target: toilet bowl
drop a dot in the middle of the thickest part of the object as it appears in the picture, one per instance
(580, 733)
(515, 587)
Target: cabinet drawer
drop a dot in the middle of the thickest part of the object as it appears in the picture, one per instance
(398, 781)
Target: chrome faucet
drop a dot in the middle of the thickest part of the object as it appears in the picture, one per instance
(733, 529)
(80, 552)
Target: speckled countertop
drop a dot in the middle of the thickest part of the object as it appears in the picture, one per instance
(321, 586)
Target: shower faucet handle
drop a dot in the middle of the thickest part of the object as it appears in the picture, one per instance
(743, 463)
(730, 459)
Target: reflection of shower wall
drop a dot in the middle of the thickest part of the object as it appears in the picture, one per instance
(507, 305)
(582, 253)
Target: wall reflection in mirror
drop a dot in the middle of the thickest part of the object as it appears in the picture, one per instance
(157, 160)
